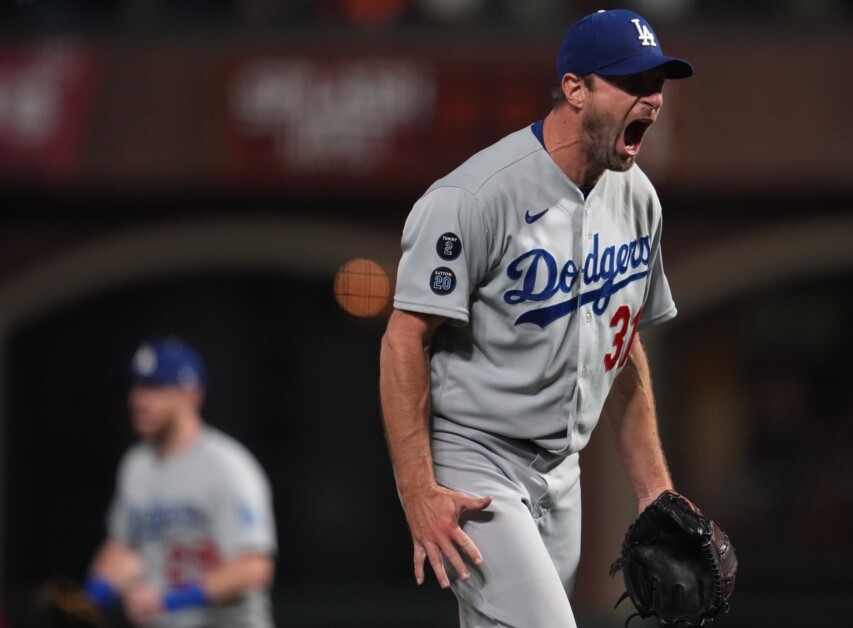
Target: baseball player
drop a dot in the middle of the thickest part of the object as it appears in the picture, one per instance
(191, 534)
(525, 276)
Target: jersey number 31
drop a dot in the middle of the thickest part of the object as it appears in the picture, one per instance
(622, 321)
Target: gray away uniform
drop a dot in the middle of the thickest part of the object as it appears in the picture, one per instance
(544, 292)
(190, 511)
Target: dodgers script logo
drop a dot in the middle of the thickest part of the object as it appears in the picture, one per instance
(613, 267)
(157, 520)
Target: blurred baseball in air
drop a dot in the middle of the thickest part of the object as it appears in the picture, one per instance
(362, 288)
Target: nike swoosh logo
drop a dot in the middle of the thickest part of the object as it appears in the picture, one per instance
(531, 218)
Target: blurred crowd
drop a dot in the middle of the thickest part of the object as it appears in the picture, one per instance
(385, 14)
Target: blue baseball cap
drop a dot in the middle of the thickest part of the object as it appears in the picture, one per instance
(615, 43)
(168, 362)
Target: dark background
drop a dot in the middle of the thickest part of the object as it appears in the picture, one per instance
(139, 199)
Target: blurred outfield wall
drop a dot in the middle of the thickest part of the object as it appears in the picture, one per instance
(361, 116)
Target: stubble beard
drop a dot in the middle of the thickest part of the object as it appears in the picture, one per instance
(159, 434)
(602, 134)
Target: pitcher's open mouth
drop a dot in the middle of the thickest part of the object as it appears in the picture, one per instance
(634, 134)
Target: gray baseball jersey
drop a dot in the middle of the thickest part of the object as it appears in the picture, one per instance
(188, 512)
(545, 289)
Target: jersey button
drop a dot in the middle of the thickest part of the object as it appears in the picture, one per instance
(583, 371)
(588, 317)
(589, 236)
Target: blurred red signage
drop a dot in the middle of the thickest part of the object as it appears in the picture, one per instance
(45, 94)
(306, 116)
(380, 120)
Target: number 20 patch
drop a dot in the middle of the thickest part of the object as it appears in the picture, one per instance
(442, 281)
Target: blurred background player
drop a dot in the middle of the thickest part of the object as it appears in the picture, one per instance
(191, 532)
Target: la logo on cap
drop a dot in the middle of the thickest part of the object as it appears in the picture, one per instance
(645, 35)
(145, 360)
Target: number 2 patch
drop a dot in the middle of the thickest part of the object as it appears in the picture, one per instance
(442, 281)
(449, 246)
